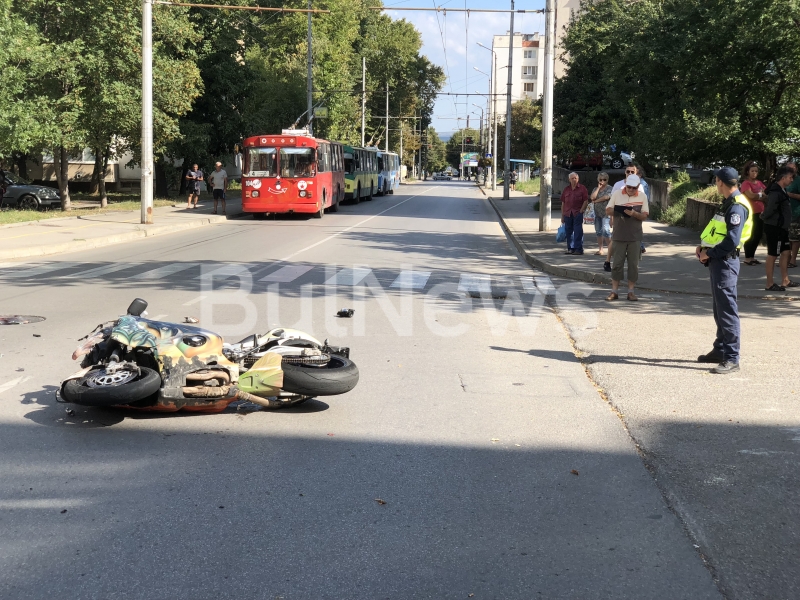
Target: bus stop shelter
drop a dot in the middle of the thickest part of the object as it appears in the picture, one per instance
(522, 167)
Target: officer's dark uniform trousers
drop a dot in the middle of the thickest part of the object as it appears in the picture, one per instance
(724, 277)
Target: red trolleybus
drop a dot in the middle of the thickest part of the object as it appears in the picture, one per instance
(291, 172)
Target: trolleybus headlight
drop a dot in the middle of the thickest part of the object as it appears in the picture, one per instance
(302, 194)
(255, 194)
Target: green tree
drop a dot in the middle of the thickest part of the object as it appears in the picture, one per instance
(436, 152)
(526, 132)
(454, 146)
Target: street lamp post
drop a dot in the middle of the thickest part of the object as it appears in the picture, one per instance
(147, 112)
(507, 166)
(489, 121)
(493, 116)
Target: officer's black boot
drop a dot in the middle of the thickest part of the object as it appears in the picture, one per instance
(725, 367)
(713, 357)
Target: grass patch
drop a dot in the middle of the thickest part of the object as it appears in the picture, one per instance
(529, 187)
(681, 188)
(13, 215)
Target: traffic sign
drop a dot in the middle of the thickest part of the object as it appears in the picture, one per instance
(489, 155)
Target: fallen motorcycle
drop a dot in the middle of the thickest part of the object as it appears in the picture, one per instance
(137, 363)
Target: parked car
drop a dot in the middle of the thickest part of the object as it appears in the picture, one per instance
(620, 161)
(587, 160)
(441, 177)
(27, 196)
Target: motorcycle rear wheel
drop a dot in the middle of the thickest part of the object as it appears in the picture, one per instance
(339, 376)
(79, 391)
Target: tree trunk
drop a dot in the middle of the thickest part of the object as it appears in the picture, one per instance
(94, 182)
(161, 190)
(61, 165)
(21, 161)
(184, 171)
(102, 179)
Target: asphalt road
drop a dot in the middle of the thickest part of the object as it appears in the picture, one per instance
(502, 472)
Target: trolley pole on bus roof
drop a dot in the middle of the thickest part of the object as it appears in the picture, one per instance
(309, 83)
(147, 112)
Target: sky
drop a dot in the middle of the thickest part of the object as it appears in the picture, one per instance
(450, 41)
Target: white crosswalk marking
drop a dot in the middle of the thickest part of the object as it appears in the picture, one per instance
(98, 271)
(194, 300)
(541, 283)
(475, 283)
(287, 274)
(223, 271)
(411, 280)
(40, 270)
(161, 272)
(349, 276)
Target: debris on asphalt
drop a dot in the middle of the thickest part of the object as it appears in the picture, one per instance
(574, 472)
(191, 320)
(63, 511)
(495, 440)
(70, 412)
(380, 501)
(36, 335)
(345, 313)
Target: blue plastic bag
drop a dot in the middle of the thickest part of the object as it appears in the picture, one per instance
(561, 234)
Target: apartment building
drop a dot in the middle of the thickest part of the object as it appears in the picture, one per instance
(528, 68)
(566, 10)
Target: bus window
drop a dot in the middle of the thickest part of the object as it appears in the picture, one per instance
(381, 160)
(349, 164)
(261, 162)
(297, 162)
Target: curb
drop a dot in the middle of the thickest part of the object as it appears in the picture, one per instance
(597, 278)
(99, 242)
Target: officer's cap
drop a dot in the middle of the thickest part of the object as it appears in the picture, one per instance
(727, 175)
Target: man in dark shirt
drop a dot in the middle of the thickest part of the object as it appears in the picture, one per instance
(194, 178)
(722, 260)
(574, 200)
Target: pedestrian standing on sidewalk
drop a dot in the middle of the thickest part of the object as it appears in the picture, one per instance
(219, 183)
(793, 191)
(754, 190)
(777, 217)
(194, 177)
(513, 180)
(630, 209)
(719, 251)
(602, 222)
(574, 200)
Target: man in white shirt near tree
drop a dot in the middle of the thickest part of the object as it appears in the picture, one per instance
(219, 183)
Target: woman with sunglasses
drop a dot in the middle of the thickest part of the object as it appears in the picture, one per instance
(754, 190)
(602, 222)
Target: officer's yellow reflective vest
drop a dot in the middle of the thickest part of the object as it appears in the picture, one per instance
(717, 229)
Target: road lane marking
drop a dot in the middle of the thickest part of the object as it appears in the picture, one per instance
(287, 274)
(411, 280)
(349, 276)
(162, 272)
(10, 384)
(41, 270)
(359, 224)
(224, 271)
(194, 301)
(98, 271)
(475, 283)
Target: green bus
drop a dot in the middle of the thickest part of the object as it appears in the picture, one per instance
(360, 173)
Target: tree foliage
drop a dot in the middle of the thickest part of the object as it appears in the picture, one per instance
(73, 77)
(526, 132)
(684, 81)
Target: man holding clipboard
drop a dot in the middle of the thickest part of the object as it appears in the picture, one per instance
(630, 208)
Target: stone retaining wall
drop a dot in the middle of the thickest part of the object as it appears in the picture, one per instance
(699, 213)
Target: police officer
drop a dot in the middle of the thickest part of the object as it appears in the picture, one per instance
(719, 251)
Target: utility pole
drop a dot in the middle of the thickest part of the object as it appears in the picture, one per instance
(507, 166)
(387, 115)
(147, 112)
(309, 83)
(363, 97)
(494, 106)
(402, 128)
(546, 186)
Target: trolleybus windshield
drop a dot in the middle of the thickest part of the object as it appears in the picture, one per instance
(262, 162)
(297, 162)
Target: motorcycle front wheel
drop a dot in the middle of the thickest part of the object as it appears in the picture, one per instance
(339, 376)
(99, 388)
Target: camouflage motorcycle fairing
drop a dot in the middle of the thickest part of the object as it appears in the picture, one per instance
(264, 378)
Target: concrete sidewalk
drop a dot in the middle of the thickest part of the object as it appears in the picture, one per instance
(669, 265)
(55, 236)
